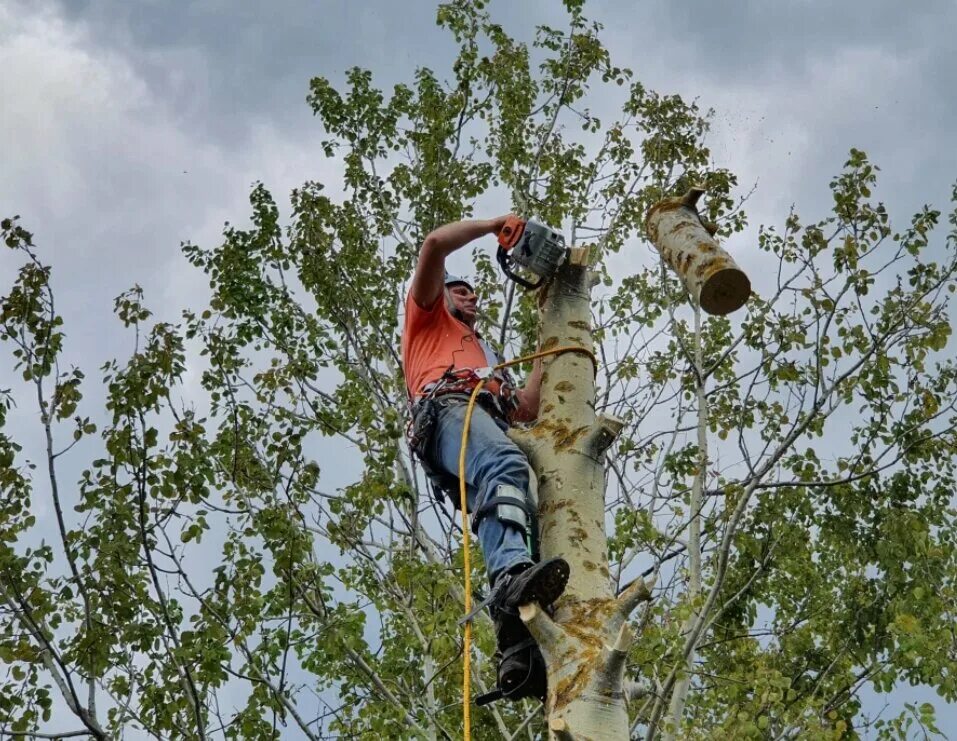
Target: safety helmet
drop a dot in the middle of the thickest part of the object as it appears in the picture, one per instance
(451, 280)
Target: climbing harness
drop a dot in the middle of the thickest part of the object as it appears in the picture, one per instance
(453, 387)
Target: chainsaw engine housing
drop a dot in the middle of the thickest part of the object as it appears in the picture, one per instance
(533, 246)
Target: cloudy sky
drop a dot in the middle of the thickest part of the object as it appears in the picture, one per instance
(129, 126)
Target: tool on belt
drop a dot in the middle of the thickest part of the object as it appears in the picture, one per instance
(530, 245)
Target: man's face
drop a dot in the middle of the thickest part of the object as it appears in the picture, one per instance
(463, 300)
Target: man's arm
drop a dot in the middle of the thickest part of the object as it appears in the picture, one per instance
(429, 280)
(529, 395)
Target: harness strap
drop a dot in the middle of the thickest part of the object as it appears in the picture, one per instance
(489, 506)
(486, 399)
(464, 380)
(534, 662)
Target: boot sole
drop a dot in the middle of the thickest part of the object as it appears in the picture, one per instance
(548, 584)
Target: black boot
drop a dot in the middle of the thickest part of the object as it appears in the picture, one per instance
(521, 669)
(522, 673)
(542, 582)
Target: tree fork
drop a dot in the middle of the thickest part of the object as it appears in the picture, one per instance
(585, 642)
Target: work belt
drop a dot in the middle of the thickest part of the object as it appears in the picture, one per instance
(490, 402)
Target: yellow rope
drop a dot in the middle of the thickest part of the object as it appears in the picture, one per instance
(463, 502)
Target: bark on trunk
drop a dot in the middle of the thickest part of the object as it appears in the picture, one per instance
(687, 243)
(586, 639)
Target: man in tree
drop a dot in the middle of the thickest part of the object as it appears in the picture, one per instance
(444, 357)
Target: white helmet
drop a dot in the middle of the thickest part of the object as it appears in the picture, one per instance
(451, 280)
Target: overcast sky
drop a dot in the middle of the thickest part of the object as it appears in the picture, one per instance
(129, 126)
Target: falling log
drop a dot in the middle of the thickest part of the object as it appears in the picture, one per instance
(687, 243)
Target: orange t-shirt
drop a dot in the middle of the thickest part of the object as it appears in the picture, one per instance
(433, 340)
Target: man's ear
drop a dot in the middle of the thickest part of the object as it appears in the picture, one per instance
(450, 305)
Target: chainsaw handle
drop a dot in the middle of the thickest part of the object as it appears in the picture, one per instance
(511, 232)
(506, 261)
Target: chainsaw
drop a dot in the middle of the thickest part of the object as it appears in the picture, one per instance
(531, 245)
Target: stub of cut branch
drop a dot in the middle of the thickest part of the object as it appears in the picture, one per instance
(687, 244)
(635, 593)
(560, 730)
(613, 659)
(623, 640)
(547, 634)
(603, 433)
(579, 255)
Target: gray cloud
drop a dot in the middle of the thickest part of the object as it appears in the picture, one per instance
(223, 66)
(796, 84)
(765, 40)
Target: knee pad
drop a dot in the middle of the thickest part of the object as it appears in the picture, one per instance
(511, 506)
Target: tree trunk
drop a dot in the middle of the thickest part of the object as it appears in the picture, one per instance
(585, 641)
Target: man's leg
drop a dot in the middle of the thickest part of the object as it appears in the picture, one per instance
(491, 460)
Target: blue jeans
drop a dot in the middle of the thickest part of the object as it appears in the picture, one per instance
(491, 459)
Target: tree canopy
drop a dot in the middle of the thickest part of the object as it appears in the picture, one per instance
(786, 474)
